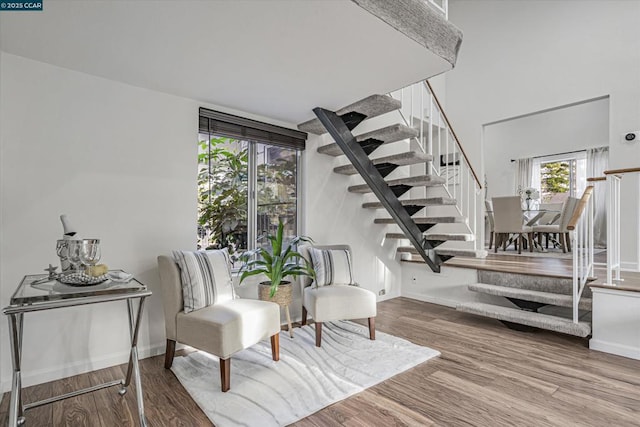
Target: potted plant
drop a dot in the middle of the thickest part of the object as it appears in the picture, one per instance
(277, 262)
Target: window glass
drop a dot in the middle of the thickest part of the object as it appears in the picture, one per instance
(230, 171)
(276, 190)
(555, 180)
(223, 185)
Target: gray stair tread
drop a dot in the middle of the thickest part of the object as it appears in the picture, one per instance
(431, 201)
(461, 237)
(459, 252)
(426, 220)
(402, 159)
(529, 318)
(387, 135)
(412, 181)
(371, 106)
(470, 253)
(561, 300)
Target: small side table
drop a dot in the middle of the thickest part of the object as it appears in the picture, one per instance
(283, 297)
(35, 293)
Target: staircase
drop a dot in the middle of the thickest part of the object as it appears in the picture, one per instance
(546, 300)
(413, 215)
(538, 302)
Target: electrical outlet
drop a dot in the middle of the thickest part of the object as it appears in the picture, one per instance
(382, 292)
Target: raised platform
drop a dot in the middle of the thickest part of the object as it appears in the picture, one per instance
(535, 266)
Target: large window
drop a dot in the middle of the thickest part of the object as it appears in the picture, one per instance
(561, 176)
(245, 186)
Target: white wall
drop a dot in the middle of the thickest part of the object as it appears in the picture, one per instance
(521, 57)
(335, 216)
(121, 162)
(572, 128)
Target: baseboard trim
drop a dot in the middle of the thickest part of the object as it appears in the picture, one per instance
(41, 376)
(431, 299)
(613, 348)
(629, 266)
(388, 296)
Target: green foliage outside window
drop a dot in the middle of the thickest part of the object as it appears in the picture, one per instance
(556, 178)
(222, 192)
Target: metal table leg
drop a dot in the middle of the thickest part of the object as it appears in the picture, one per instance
(16, 410)
(133, 368)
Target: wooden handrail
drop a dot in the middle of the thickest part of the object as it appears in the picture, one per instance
(599, 178)
(621, 171)
(582, 205)
(455, 137)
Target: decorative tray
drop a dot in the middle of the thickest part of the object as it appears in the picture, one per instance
(81, 279)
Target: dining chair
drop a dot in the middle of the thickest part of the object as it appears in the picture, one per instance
(508, 220)
(549, 217)
(560, 227)
(489, 210)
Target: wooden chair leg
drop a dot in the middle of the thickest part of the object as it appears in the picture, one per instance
(563, 243)
(304, 315)
(567, 239)
(318, 333)
(225, 374)
(521, 243)
(491, 239)
(169, 353)
(372, 328)
(275, 347)
(530, 236)
(498, 242)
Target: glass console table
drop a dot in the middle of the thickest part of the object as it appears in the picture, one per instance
(37, 293)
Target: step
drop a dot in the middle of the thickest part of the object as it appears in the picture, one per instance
(431, 201)
(426, 220)
(460, 237)
(469, 253)
(561, 300)
(529, 318)
(540, 281)
(402, 159)
(412, 181)
(371, 106)
(385, 135)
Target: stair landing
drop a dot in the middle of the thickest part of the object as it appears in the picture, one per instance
(535, 266)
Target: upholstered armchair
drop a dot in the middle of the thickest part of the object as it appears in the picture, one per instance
(224, 326)
(334, 295)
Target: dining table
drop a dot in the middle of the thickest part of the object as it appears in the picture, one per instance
(531, 217)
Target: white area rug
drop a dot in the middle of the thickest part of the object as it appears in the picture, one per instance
(305, 380)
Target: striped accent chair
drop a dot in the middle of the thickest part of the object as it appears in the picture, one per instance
(202, 311)
(334, 295)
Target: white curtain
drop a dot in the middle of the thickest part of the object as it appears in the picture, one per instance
(524, 174)
(597, 163)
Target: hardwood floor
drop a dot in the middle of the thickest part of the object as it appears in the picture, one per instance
(487, 375)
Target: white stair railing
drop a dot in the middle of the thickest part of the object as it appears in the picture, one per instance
(581, 224)
(422, 110)
(440, 5)
(613, 227)
(614, 180)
